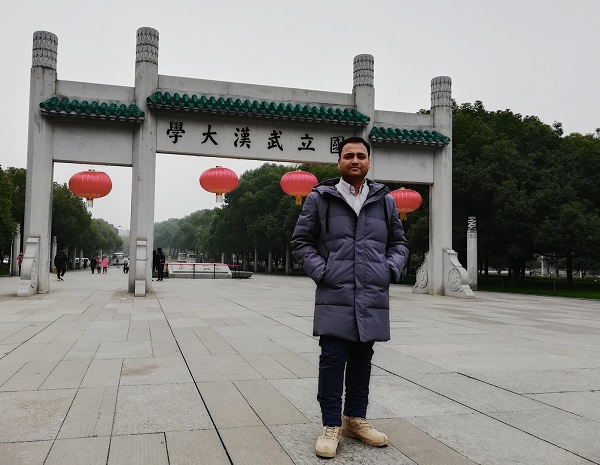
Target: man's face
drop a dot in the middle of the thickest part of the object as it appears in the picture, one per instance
(354, 162)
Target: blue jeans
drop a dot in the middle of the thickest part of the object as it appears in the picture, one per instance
(337, 356)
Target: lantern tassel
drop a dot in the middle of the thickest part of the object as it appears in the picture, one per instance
(298, 200)
(89, 203)
(403, 216)
(219, 198)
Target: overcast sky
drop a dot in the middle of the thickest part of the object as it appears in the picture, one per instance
(531, 56)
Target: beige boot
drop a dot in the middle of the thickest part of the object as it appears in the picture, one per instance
(328, 441)
(354, 427)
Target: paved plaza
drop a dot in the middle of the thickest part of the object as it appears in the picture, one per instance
(225, 372)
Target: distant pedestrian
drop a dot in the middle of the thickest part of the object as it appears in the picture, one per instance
(60, 263)
(154, 263)
(98, 264)
(20, 261)
(160, 257)
(125, 266)
(105, 265)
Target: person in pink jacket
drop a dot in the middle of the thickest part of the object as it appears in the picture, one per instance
(104, 264)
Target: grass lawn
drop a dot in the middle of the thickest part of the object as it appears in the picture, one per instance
(581, 288)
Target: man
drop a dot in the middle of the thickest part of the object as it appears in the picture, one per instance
(350, 241)
(160, 264)
(60, 262)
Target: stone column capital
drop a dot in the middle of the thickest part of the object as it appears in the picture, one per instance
(441, 92)
(45, 49)
(146, 49)
(364, 70)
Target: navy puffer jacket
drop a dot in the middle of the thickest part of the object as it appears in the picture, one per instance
(352, 259)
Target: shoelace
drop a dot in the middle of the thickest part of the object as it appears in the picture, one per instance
(329, 432)
(364, 423)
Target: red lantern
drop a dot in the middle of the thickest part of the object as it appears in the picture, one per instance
(407, 201)
(219, 181)
(298, 184)
(90, 185)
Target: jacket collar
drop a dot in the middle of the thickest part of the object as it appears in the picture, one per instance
(327, 187)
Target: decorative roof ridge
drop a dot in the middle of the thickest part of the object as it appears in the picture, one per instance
(93, 108)
(276, 110)
(408, 136)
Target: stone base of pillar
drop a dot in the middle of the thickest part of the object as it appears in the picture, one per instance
(456, 278)
(28, 283)
(140, 288)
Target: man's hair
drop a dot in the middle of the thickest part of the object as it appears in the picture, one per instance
(354, 140)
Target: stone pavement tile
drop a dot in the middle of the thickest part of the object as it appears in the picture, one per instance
(147, 316)
(191, 348)
(88, 451)
(297, 365)
(127, 349)
(269, 404)
(417, 445)
(475, 394)
(155, 371)
(24, 453)
(161, 334)
(187, 323)
(165, 349)
(487, 441)
(141, 449)
(540, 381)
(291, 339)
(26, 333)
(406, 399)
(106, 414)
(202, 447)
(33, 415)
(9, 369)
(82, 351)
(298, 441)
(67, 374)
(83, 415)
(54, 351)
(571, 432)
(302, 393)
(470, 357)
(268, 367)
(21, 355)
(247, 340)
(138, 334)
(398, 363)
(102, 373)
(158, 408)
(254, 445)
(69, 336)
(121, 317)
(221, 368)
(139, 324)
(585, 404)
(7, 348)
(46, 335)
(106, 331)
(227, 406)
(215, 344)
(30, 377)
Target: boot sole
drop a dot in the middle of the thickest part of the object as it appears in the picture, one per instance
(325, 455)
(351, 434)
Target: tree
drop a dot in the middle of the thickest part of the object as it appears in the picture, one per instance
(8, 224)
(70, 218)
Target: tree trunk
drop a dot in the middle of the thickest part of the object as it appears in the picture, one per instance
(569, 268)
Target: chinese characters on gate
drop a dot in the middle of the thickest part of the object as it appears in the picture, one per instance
(243, 138)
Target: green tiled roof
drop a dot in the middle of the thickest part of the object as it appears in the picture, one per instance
(408, 136)
(95, 109)
(229, 106)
